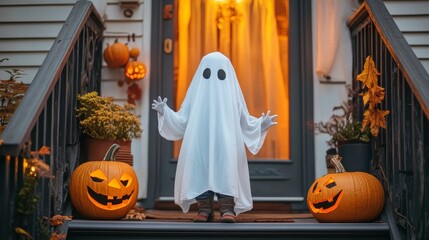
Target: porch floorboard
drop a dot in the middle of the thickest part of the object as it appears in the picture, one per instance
(298, 226)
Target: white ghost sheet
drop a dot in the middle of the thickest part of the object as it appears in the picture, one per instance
(215, 124)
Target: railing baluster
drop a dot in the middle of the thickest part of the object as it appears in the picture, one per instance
(402, 155)
(46, 116)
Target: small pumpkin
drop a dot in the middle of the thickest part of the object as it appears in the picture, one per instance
(345, 196)
(135, 70)
(134, 53)
(116, 55)
(104, 189)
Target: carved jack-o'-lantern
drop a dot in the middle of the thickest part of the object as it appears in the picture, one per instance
(345, 196)
(135, 70)
(104, 189)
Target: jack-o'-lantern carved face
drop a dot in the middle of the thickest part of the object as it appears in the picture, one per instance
(135, 70)
(113, 193)
(326, 195)
(345, 197)
(104, 189)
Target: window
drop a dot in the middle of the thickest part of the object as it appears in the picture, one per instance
(254, 35)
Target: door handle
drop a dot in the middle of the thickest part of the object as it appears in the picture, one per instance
(168, 45)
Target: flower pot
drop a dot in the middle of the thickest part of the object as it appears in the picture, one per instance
(95, 149)
(355, 156)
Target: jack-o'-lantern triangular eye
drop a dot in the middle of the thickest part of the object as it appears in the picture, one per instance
(98, 176)
(315, 186)
(330, 183)
(126, 179)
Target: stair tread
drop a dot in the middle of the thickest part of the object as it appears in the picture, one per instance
(254, 220)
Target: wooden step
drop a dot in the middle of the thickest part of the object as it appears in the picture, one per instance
(172, 224)
(87, 229)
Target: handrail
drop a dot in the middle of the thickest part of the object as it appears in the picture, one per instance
(414, 72)
(401, 151)
(46, 117)
(26, 115)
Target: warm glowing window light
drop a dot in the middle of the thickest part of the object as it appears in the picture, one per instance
(254, 35)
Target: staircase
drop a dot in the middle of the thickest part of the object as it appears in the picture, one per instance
(300, 229)
(46, 115)
(412, 18)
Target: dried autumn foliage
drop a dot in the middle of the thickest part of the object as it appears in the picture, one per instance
(58, 236)
(22, 234)
(59, 220)
(44, 150)
(373, 96)
(11, 95)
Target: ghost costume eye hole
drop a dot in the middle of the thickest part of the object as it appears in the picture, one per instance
(221, 74)
(206, 73)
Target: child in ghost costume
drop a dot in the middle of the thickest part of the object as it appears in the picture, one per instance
(214, 123)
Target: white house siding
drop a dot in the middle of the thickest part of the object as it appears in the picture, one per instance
(412, 18)
(328, 95)
(28, 29)
(120, 27)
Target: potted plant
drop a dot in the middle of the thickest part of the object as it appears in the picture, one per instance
(350, 136)
(347, 137)
(104, 123)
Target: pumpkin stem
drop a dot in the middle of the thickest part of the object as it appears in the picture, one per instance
(110, 154)
(339, 168)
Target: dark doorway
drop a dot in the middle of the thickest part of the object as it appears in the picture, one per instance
(276, 176)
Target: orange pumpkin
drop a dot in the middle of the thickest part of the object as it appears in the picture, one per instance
(345, 196)
(104, 189)
(116, 55)
(134, 53)
(135, 70)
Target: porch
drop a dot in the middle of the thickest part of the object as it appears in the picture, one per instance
(267, 220)
(172, 224)
(47, 118)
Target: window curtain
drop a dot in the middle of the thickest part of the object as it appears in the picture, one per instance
(252, 44)
(333, 45)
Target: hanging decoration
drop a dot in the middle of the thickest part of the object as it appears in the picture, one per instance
(123, 57)
(116, 55)
(134, 53)
(135, 70)
(227, 13)
(134, 93)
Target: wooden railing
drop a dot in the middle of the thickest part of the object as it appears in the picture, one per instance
(401, 152)
(46, 117)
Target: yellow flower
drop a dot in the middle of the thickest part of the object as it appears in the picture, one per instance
(101, 118)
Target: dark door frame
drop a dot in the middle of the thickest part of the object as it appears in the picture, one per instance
(301, 67)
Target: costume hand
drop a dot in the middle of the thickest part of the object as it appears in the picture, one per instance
(159, 105)
(268, 121)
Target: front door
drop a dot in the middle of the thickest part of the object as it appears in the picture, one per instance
(267, 44)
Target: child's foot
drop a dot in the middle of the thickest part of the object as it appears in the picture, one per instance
(228, 217)
(205, 211)
(226, 207)
(203, 217)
